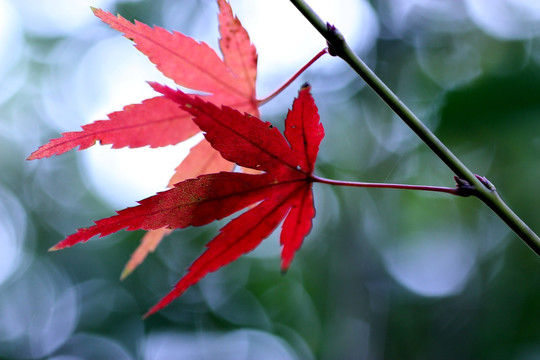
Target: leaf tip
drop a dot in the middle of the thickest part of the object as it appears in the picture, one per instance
(305, 86)
(285, 265)
(54, 248)
(40, 153)
(125, 273)
(149, 312)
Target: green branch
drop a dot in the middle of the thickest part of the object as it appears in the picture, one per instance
(483, 189)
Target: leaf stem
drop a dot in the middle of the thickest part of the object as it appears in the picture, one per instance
(454, 191)
(298, 73)
(337, 46)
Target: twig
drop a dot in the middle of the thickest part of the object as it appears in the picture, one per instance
(459, 191)
(298, 73)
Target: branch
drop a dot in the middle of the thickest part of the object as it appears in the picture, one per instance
(483, 189)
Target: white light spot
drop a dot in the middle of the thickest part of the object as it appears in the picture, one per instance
(506, 19)
(12, 233)
(10, 49)
(123, 176)
(61, 17)
(237, 345)
(430, 264)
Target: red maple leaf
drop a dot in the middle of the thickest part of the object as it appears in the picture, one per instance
(282, 191)
(159, 121)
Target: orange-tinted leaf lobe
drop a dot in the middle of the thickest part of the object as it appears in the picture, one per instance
(238, 52)
(148, 244)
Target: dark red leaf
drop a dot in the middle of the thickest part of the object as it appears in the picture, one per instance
(283, 191)
(297, 225)
(304, 131)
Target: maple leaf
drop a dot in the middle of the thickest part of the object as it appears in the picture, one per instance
(282, 191)
(159, 121)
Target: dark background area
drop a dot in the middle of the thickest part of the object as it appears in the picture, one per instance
(384, 274)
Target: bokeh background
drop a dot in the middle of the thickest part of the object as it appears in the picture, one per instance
(384, 274)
